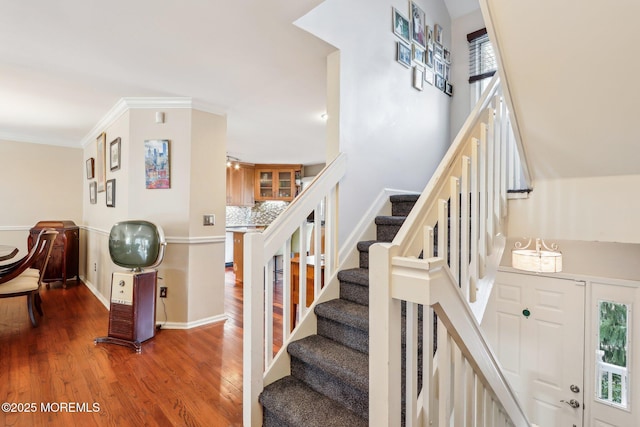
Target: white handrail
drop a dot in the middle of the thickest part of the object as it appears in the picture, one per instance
(260, 249)
(465, 201)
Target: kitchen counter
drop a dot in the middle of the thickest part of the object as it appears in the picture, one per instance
(245, 228)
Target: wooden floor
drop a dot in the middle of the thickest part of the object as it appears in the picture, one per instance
(181, 378)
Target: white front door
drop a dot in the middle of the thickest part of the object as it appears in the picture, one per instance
(536, 327)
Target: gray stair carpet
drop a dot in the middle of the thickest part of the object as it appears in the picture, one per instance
(329, 381)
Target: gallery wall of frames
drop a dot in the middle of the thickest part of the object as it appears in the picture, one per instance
(420, 48)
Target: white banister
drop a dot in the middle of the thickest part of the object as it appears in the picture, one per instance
(262, 357)
(466, 202)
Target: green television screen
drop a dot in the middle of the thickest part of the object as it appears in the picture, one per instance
(136, 244)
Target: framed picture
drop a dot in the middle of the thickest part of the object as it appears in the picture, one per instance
(401, 27)
(114, 154)
(111, 193)
(91, 171)
(448, 88)
(417, 54)
(429, 56)
(156, 162)
(100, 160)
(418, 77)
(418, 26)
(438, 66)
(93, 193)
(437, 33)
(429, 76)
(429, 32)
(403, 54)
(438, 51)
(440, 82)
(446, 55)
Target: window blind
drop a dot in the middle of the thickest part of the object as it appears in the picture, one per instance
(482, 60)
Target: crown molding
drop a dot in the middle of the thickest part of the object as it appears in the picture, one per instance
(130, 103)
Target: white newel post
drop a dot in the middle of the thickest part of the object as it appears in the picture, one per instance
(384, 344)
(253, 339)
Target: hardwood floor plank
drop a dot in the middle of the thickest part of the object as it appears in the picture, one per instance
(181, 378)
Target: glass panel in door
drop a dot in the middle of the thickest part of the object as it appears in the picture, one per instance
(266, 184)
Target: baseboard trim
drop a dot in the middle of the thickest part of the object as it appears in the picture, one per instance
(194, 324)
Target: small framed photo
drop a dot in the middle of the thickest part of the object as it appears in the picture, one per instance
(429, 56)
(448, 88)
(429, 31)
(438, 66)
(447, 72)
(429, 76)
(91, 168)
(417, 54)
(114, 154)
(403, 54)
(446, 55)
(93, 192)
(437, 33)
(440, 82)
(418, 25)
(418, 77)
(401, 27)
(101, 174)
(111, 193)
(438, 51)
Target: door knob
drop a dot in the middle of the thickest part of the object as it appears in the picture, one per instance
(574, 388)
(573, 403)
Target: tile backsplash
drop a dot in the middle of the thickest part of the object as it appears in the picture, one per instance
(262, 213)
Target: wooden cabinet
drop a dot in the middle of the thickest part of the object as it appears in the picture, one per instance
(132, 316)
(63, 263)
(238, 254)
(240, 185)
(277, 182)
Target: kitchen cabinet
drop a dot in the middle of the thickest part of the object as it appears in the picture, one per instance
(240, 185)
(238, 256)
(277, 182)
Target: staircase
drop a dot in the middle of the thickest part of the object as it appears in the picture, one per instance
(329, 381)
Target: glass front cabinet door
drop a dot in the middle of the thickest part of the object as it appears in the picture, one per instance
(280, 183)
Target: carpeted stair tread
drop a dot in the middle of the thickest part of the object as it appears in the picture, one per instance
(358, 276)
(364, 245)
(337, 360)
(402, 204)
(345, 312)
(295, 404)
(404, 198)
(390, 220)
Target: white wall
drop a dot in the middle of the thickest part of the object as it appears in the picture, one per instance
(37, 182)
(461, 104)
(193, 268)
(394, 135)
(594, 209)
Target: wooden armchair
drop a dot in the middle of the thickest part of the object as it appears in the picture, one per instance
(20, 278)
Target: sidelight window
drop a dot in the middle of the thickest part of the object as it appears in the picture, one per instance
(612, 354)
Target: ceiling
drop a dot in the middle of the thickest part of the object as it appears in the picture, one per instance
(573, 74)
(65, 64)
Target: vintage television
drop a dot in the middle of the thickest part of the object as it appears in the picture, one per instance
(137, 246)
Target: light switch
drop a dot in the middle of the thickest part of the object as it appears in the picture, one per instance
(209, 219)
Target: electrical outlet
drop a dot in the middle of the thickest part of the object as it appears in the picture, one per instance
(163, 291)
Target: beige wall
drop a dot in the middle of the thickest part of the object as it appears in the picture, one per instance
(38, 182)
(193, 268)
(594, 209)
